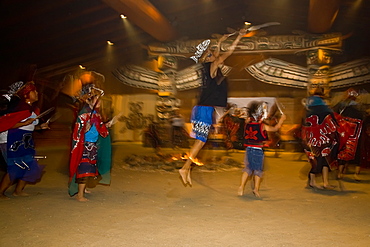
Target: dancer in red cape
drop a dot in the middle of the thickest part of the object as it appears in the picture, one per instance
(90, 161)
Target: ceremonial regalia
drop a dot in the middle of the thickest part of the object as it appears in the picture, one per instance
(351, 120)
(94, 166)
(320, 134)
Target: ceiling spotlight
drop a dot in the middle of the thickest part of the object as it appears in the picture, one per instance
(123, 16)
(81, 67)
(247, 23)
(110, 43)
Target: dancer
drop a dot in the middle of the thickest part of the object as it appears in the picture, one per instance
(255, 135)
(179, 135)
(234, 128)
(365, 141)
(91, 148)
(20, 124)
(213, 95)
(351, 119)
(320, 134)
(7, 103)
(152, 137)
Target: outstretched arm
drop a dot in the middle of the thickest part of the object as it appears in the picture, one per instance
(220, 59)
(21, 124)
(277, 126)
(217, 51)
(231, 49)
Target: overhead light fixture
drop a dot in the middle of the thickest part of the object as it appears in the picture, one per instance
(247, 23)
(81, 67)
(123, 16)
(110, 43)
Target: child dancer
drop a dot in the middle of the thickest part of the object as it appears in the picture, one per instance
(254, 137)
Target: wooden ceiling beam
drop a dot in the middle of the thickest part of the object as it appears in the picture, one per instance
(145, 16)
(322, 14)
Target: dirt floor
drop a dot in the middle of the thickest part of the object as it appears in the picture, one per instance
(153, 208)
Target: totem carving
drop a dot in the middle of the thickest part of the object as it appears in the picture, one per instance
(318, 50)
(318, 68)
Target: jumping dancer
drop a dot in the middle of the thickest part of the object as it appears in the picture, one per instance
(213, 95)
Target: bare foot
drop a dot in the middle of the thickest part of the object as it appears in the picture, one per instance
(4, 197)
(240, 191)
(87, 191)
(22, 193)
(329, 187)
(315, 186)
(81, 199)
(318, 187)
(256, 193)
(184, 174)
(189, 179)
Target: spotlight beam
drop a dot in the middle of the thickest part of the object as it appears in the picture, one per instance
(146, 16)
(322, 15)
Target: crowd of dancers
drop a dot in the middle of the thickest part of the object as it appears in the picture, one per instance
(335, 136)
(90, 159)
(330, 136)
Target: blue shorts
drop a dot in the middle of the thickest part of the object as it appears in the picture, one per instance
(201, 118)
(253, 161)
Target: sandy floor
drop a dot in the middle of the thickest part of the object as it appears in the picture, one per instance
(153, 208)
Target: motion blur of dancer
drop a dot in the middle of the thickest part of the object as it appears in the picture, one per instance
(7, 104)
(321, 138)
(351, 118)
(19, 123)
(255, 135)
(234, 129)
(179, 135)
(365, 142)
(214, 91)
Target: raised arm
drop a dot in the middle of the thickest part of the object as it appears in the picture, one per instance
(21, 124)
(217, 51)
(277, 126)
(231, 49)
(220, 59)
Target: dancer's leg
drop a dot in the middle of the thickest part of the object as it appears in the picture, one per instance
(185, 170)
(257, 182)
(340, 171)
(242, 183)
(357, 173)
(19, 189)
(312, 182)
(80, 195)
(325, 178)
(5, 183)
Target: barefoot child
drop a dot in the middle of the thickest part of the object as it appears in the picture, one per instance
(255, 135)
